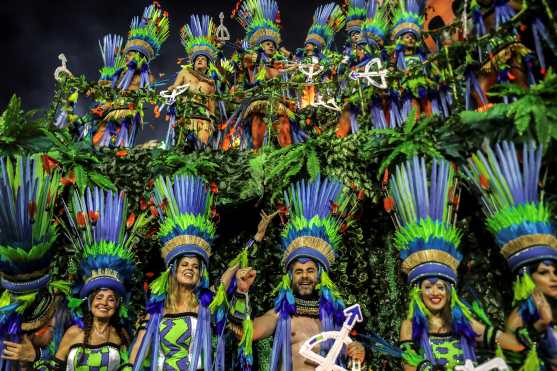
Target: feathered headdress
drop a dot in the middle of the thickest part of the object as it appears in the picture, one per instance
(27, 233)
(355, 15)
(198, 38)
(408, 18)
(318, 210)
(184, 208)
(260, 19)
(375, 27)
(148, 33)
(103, 235)
(316, 215)
(425, 216)
(186, 225)
(328, 19)
(113, 59)
(516, 214)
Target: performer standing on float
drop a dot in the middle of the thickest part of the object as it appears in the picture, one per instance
(177, 333)
(521, 223)
(355, 15)
(263, 62)
(308, 301)
(118, 122)
(328, 19)
(440, 330)
(198, 39)
(370, 45)
(103, 236)
(32, 306)
(419, 83)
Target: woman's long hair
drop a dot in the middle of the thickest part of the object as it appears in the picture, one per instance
(170, 304)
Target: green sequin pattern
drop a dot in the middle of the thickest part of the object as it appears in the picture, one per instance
(447, 350)
(105, 357)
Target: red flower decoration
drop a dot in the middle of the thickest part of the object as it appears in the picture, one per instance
(93, 216)
(214, 188)
(484, 182)
(389, 204)
(131, 220)
(49, 163)
(81, 219)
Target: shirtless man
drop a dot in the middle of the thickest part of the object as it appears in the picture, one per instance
(273, 61)
(306, 322)
(199, 83)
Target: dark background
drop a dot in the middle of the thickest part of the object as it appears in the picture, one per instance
(36, 32)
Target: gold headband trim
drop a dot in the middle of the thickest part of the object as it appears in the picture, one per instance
(202, 48)
(402, 26)
(313, 36)
(27, 276)
(103, 272)
(354, 23)
(275, 36)
(524, 242)
(143, 44)
(185, 240)
(314, 243)
(429, 256)
(43, 319)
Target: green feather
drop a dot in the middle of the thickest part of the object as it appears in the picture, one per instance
(158, 286)
(523, 287)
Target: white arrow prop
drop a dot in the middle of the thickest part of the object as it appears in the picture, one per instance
(372, 69)
(170, 96)
(341, 338)
(329, 104)
(61, 69)
(494, 364)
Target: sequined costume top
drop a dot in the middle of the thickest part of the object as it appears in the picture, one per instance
(102, 357)
(446, 348)
(176, 333)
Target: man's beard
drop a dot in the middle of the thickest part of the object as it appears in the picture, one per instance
(309, 296)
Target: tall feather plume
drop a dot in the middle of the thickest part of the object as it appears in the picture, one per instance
(510, 190)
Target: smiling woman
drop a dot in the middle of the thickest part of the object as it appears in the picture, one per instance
(103, 236)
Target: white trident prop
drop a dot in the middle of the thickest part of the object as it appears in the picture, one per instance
(341, 338)
(223, 35)
(372, 69)
(493, 364)
(310, 70)
(62, 69)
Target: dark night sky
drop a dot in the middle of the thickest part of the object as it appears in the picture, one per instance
(35, 32)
